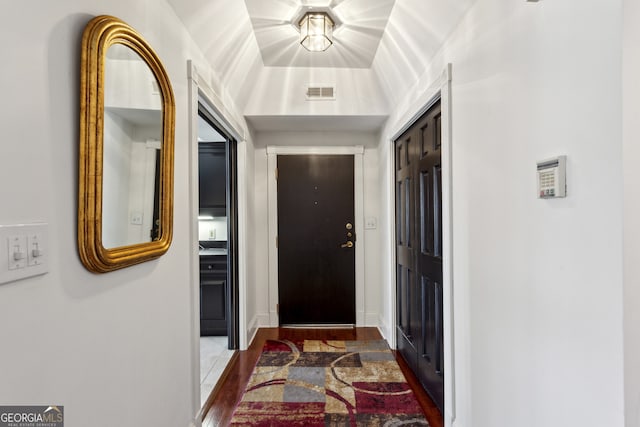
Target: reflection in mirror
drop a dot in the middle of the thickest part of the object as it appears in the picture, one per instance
(132, 134)
(127, 119)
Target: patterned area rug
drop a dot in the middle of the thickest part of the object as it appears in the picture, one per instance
(328, 383)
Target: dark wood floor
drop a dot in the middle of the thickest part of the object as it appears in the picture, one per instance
(220, 405)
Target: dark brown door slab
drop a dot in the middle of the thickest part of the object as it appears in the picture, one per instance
(316, 239)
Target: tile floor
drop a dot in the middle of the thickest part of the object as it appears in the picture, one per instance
(214, 357)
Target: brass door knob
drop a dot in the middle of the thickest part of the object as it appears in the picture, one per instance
(349, 244)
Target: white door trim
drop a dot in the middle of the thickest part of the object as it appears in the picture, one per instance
(199, 90)
(358, 172)
(439, 90)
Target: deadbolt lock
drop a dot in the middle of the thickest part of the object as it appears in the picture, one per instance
(349, 226)
(349, 234)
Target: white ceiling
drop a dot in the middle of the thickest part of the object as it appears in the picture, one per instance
(245, 41)
(355, 40)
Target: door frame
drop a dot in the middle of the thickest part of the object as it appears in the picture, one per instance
(440, 89)
(272, 196)
(231, 203)
(200, 92)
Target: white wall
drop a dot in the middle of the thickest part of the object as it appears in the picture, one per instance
(130, 83)
(128, 178)
(252, 288)
(116, 343)
(116, 179)
(631, 152)
(282, 91)
(371, 240)
(316, 139)
(386, 227)
(141, 191)
(215, 229)
(537, 283)
(258, 297)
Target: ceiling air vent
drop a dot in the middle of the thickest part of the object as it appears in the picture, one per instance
(320, 93)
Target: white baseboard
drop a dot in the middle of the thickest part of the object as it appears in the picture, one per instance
(273, 319)
(252, 328)
(260, 320)
(386, 331)
(263, 320)
(253, 323)
(372, 319)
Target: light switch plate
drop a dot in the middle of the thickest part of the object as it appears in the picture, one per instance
(370, 223)
(35, 249)
(16, 252)
(136, 218)
(28, 237)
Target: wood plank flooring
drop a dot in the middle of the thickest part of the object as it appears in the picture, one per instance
(220, 405)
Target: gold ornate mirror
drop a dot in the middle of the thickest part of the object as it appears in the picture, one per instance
(127, 113)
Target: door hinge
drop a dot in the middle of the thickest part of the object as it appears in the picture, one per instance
(278, 309)
(276, 242)
(276, 172)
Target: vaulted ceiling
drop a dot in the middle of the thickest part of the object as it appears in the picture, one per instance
(360, 25)
(253, 43)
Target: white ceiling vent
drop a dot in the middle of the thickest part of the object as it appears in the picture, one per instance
(321, 93)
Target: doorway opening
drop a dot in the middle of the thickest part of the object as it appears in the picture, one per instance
(218, 252)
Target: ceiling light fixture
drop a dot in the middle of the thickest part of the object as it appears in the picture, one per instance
(316, 31)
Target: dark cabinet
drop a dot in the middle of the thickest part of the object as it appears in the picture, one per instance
(212, 170)
(213, 295)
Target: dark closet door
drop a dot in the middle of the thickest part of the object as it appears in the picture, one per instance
(408, 308)
(419, 249)
(316, 239)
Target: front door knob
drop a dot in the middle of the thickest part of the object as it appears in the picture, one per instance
(349, 244)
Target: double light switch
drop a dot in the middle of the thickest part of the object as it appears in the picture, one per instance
(23, 253)
(25, 250)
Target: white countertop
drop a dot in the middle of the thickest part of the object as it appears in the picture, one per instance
(213, 251)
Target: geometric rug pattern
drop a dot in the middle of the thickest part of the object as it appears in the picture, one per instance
(327, 383)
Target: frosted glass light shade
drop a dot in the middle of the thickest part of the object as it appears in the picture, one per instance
(316, 31)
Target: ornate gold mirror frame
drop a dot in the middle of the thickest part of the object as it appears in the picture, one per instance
(99, 35)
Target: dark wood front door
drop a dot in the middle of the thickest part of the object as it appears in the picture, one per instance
(419, 251)
(316, 239)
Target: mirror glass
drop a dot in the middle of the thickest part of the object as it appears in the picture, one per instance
(125, 157)
(131, 149)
